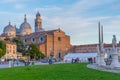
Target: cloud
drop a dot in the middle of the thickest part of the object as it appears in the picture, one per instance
(48, 8)
(77, 19)
(13, 1)
(15, 19)
(19, 6)
(73, 21)
(115, 7)
(9, 1)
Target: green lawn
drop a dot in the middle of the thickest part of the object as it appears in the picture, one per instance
(56, 72)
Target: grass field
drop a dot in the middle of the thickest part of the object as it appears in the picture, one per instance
(56, 72)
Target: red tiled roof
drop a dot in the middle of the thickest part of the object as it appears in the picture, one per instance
(94, 45)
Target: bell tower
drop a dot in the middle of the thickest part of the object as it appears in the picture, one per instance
(38, 23)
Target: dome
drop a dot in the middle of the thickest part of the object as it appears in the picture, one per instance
(9, 31)
(25, 27)
(9, 28)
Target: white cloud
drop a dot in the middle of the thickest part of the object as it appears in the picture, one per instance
(48, 8)
(15, 18)
(115, 7)
(13, 1)
(19, 6)
(72, 20)
(9, 1)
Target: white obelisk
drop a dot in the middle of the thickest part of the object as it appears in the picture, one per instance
(100, 56)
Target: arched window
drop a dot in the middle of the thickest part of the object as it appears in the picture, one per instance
(59, 38)
(25, 40)
(33, 39)
(41, 38)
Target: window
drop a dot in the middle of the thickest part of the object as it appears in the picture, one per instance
(25, 40)
(41, 39)
(59, 38)
(33, 39)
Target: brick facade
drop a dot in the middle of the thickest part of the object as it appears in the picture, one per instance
(91, 48)
(52, 42)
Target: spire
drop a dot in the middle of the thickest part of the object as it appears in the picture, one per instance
(15, 25)
(9, 23)
(25, 19)
(38, 14)
(38, 23)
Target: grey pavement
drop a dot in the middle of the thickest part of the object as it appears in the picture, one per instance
(103, 68)
(6, 65)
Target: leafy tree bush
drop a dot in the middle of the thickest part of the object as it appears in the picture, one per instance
(20, 44)
(3, 48)
(34, 52)
(0, 52)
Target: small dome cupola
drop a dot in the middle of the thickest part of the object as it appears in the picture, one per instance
(9, 28)
(10, 31)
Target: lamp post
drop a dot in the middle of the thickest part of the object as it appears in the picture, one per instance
(51, 52)
(66, 50)
(28, 56)
(51, 56)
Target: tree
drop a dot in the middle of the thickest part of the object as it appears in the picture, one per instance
(0, 52)
(20, 44)
(34, 52)
(3, 48)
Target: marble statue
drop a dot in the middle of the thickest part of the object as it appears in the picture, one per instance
(114, 42)
(115, 62)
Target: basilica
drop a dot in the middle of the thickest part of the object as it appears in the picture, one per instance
(50, 42)
(11, 31)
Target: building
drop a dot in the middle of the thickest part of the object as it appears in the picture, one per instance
(51, 42)
(11, 31)
(88, 48)
(11, 52)
(91, 48)
(2, 38)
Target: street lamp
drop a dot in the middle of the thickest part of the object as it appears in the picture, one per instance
(66, 50)
(51, 52)
(27, 55)
(51, 56)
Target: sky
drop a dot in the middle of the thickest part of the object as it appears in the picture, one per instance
(78, 18)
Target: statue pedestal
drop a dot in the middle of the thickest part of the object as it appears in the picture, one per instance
(100, 60)
(115, 63)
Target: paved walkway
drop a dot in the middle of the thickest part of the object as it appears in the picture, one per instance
(6, 65)
(107, 68)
